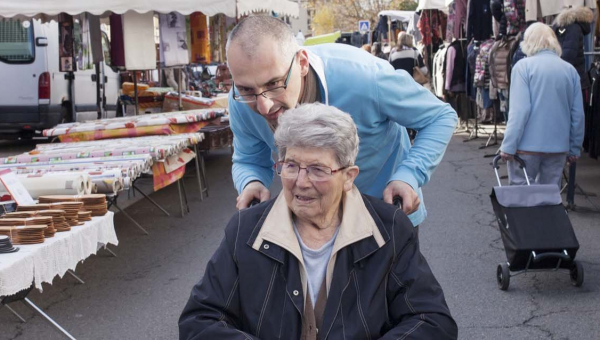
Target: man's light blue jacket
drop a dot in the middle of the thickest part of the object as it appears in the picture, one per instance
(546, 107)
(382, 103)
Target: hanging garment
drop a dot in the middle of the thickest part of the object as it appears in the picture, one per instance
(138, 39)
(432, 25)
(95, 38)
(536, 9)
(173, 39)
(438, 73)
(382, 27)
(514, 11)
(472, 51)
(482, 70)
(570, 27)
(497, 7)
(500, 62)
(66, 44)
(591, 142)
(460, 18)
(412, 28)
(456, 63)
(81, 36)
(117, 46)
(200, 42)
(479, 25)
(450, 25)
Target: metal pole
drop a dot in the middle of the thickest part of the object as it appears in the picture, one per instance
(72, 273)
(135, 90)
(150, 199)
(39, 311)
(179, 85)
(198, 172)
(98, 97)
(180, 198)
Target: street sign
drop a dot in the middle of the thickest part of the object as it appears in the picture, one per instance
(364, 26)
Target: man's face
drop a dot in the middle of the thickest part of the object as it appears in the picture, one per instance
(267, 70)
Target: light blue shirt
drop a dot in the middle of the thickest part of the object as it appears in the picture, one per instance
(315, 262)
(381, 101)
(546, 107)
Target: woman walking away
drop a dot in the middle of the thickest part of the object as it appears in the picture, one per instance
(545, 121)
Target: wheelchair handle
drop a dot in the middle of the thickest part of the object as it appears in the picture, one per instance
(397, 202)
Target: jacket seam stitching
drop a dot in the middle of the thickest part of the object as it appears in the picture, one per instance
(343, 324)
(405, 293)
(264, 307)
(412, 330)
(282, 314)
(233, 289)
(236, 238)
(360, 311)
(342, 295)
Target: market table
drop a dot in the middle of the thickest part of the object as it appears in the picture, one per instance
(34, 264)
(40, 263)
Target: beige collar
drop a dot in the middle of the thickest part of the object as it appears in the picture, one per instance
(357, 224)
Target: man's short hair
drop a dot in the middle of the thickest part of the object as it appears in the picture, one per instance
(253, 30)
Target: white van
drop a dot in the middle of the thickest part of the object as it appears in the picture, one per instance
(34, 94)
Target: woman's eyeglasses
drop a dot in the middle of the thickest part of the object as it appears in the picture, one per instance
(315, 173)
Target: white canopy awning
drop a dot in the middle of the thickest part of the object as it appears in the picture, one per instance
(432, 4)
(403, 16)
(50, 8)
(281, 7)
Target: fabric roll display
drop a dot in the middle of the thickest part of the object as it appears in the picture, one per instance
(67, 183)
(159, 119)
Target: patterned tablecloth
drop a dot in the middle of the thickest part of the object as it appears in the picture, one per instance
(42, 262)
(143, 125)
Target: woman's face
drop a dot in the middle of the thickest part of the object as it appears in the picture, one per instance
(316, 201)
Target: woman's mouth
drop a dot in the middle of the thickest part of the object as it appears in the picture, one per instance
(303, 199)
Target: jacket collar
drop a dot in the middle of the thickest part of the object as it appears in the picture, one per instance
(357, 224)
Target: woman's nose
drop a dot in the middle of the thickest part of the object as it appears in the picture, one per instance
(303, 180)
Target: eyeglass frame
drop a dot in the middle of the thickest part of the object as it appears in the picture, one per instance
(284, 87)
(333, 172)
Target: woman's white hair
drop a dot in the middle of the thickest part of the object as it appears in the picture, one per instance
(318, 126)
(540, 37)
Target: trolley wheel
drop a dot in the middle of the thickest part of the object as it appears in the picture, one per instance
(503, 276)
(576, 273)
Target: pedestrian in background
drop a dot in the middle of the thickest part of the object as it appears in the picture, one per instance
(546, 121)
(377, 51)
(366, 47)
(406, 57)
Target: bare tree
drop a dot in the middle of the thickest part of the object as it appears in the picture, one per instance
(345, 14)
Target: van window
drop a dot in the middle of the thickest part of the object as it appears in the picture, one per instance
(16, 41)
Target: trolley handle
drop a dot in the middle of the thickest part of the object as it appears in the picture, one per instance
(516, 157)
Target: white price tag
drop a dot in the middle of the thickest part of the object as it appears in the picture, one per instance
(15, 188)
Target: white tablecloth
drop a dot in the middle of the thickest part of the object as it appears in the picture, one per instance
(42, 262)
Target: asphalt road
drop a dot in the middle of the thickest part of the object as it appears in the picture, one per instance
(140, 293)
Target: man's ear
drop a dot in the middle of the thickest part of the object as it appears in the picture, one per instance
(303, 59)
(349, 176)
